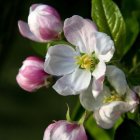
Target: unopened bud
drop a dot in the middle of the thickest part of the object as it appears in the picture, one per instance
(44, 24)
(64, 130)
(31, 75)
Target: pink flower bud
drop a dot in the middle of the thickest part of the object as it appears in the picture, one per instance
(44, 24)
(63, 130)
(31, 75)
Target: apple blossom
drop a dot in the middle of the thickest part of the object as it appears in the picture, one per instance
(31, 75)
(77, 66)
(64, 130)
(44, 24)
(110, 104)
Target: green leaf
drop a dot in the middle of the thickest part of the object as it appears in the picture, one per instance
(108, 18)
(132, 31)
(39, 48)
(82, 119)
(68, 118)
(77, 112)
(128, 130)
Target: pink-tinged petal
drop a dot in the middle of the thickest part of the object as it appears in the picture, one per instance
(34, 73)
(48, 131)
(97, 86)
(74, 83)
(43, 9)
(25, 84)
(48, 29)
(25, 31)
(31, 75)
(60, 60)
(136, 89)
(33, 61)
(45, 23)
(132, 98)
(47, 34)
(63, 130)
(104, 49)
(80, 32)
(33, 7)
(92, 23)
(117, 79)
(131, 95)
(98, 78)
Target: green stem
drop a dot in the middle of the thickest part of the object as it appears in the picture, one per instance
(77, 112)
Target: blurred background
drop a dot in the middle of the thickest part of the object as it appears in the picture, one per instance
(24, 116)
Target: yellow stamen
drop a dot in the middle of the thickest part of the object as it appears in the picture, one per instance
(86, 61)
(113, 97)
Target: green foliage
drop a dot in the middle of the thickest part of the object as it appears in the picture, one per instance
(108, 18)
(130, 6)
(39, 48)
(128, 130)
(132, 30)
(131, 13)
(68, 118)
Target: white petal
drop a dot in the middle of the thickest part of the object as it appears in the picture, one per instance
(89, 102)
(132, 98)
(104, 49)
(68, 131)
(137, 90)
(25, 31)
(86, 99)
(98, 78)
(99, 70)
(33, 7)
(60, 60)
(104, 124)
(130, 95)
(80, 32)
(48, 131)
(108, 114)
(73, 83)
(117, 79)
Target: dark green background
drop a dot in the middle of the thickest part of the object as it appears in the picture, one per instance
(24, 116)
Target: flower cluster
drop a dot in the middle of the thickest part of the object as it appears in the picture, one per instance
(83, 67)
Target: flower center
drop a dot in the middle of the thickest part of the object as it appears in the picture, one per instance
(113, 97)
(86, 61)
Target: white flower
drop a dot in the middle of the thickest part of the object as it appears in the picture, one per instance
(78, 66)
(109, 105)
